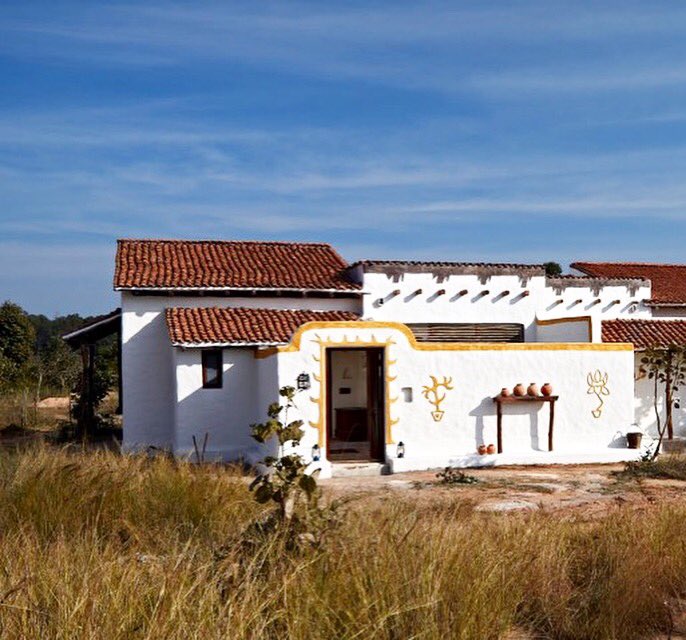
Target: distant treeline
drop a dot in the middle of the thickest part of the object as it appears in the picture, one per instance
(33, 355)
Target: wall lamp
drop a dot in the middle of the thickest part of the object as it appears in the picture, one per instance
(303, 381)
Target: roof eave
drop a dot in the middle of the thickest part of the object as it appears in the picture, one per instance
(225, 345)
(658, 303)
(354, 289)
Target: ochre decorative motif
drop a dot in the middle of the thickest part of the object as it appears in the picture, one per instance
(432, 395)
(321, 379)
(597, 385)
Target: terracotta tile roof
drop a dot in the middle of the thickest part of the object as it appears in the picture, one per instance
(668, 280)
(238, 325)
(645, 333)
(171, 264)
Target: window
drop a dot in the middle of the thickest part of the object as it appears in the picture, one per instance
(212, 369)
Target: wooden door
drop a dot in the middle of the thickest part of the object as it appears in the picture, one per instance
(375, 403)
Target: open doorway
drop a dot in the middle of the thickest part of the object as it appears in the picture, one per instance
(355, 404)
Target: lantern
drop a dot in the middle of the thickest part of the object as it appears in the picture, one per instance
(303, 381)
(400, 453)
(316, 453)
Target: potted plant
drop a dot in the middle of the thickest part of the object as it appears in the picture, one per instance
(633, 439)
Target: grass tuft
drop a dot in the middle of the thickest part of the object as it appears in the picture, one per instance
(671, 467)
(101, 546)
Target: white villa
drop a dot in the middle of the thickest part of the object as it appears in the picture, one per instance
(399, 364)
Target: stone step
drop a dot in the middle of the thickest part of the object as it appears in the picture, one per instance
(359, 469)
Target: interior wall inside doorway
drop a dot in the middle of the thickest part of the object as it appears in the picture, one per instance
(348, 380)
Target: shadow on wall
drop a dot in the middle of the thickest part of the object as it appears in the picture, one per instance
(488, 408)
(148, 386)
(618, 441)
(645, 408)
(249, 385)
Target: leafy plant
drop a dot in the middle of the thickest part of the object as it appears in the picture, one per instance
(452, 476)
(285, 479)
(665, 366)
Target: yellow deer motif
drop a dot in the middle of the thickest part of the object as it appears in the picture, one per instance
(432, 395)
(597, 385)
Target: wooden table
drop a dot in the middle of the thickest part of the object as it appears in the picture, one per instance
(501, 400)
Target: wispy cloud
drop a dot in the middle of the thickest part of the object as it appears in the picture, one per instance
(464, 131)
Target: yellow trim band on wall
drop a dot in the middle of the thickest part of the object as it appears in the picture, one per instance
(294, 345)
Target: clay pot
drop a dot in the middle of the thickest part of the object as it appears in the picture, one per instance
(519, 390)
(505, 392)
(547, 389)
(490, 449)
(533, 390)
(482, 449)
(633, 439)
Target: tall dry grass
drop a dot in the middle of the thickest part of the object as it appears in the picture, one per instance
(99, 546)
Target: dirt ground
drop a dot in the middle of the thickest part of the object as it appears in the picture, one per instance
(578, 490)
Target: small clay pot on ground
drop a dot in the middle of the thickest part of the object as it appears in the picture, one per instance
(482, 449)
(490, 449)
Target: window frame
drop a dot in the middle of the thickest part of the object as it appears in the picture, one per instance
(218, 382)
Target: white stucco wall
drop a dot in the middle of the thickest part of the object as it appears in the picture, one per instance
(164, 404)
(570, 299)
(475, 306)
(504, 302)
(224, 414)
(478, 373)
(563, 331)
(148, 371)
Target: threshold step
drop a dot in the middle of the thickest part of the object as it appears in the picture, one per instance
(359, 469)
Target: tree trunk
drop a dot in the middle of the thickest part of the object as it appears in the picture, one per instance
(658, 422)
(669, 401)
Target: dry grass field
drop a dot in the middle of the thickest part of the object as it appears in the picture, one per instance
(95, 545)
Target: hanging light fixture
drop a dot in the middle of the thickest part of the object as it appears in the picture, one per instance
(400, 453)
(303, 381)
(316, 453)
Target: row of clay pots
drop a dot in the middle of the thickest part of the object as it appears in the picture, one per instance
(483, 449)
(532, 390)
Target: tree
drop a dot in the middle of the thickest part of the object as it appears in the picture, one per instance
(665, 366)
(17, 339)
(552, 269)
(59, 365)
(17, 336)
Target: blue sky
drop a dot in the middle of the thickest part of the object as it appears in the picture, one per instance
(522, 131)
